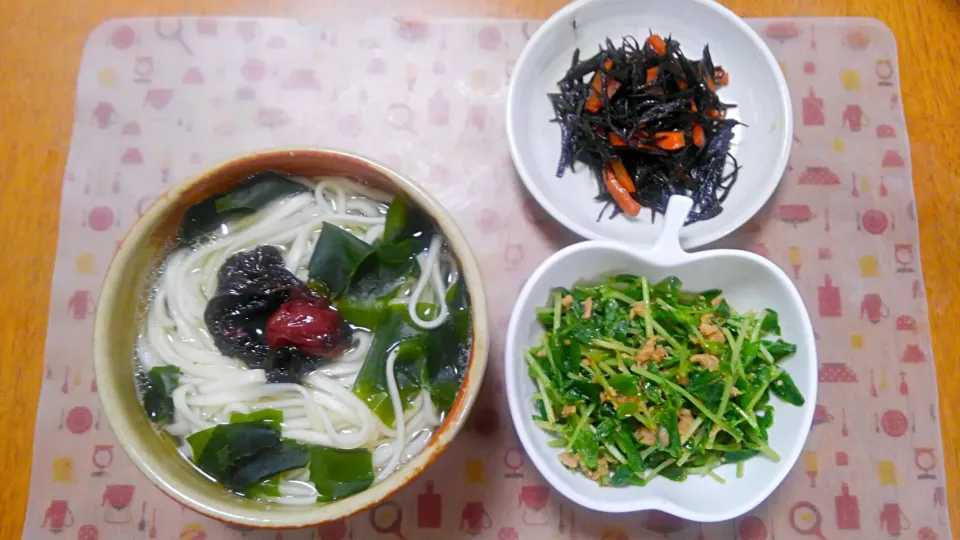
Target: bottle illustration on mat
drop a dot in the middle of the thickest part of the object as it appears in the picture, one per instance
(848, 510)
(429, 508)
(813, 109)
(828, 299)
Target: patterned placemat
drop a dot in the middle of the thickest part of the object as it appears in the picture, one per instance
(160, 99)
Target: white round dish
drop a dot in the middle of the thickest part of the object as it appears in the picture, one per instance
(748, 281)
(757, 86)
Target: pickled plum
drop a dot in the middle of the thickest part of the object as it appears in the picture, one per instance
(266, 317)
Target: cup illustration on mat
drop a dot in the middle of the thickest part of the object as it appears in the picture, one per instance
(429, 508)
(57, 517)
(873, 308)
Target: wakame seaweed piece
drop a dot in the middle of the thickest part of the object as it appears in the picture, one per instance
(340, 473)
(335, 258)
(266, 488)
(286, 456)
(248, 196)
(268, 416)
(393, 330)
(374, 283)
(448, 350)
(161, 381)
(218, 450)
(407, 231)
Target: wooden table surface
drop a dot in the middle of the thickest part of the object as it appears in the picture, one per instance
(40, 46)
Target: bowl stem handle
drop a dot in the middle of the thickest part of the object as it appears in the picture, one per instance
(669, 242)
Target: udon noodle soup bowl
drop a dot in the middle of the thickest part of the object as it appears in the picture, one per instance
(121, 314)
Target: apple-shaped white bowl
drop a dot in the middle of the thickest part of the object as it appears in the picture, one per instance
(749, 282)
(757, 86)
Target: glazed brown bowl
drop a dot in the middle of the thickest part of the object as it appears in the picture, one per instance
(126, 292)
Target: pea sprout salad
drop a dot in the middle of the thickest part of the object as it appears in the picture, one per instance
(638, 380)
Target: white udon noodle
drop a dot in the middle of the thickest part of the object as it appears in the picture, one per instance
(321, 409)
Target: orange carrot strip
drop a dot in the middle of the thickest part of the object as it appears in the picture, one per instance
(658, 44)
(699, 138)
(620, 195)
(722, 77)
(616, 140)
(652, 74)
(714, 113)
(594, 103)
(670, 140)
(622, 176)
(711, 85)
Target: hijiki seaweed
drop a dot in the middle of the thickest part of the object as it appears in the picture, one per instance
(648, 122)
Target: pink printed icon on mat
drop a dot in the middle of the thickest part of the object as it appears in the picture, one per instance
(781, 30)
(854, 118)
(80, 304)
(123, 37)
(813, 109)
(333, 530)
(104, 115)
(57, 516)
(158, 98)
(848, 510)
(752, 528)
(474, 518)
